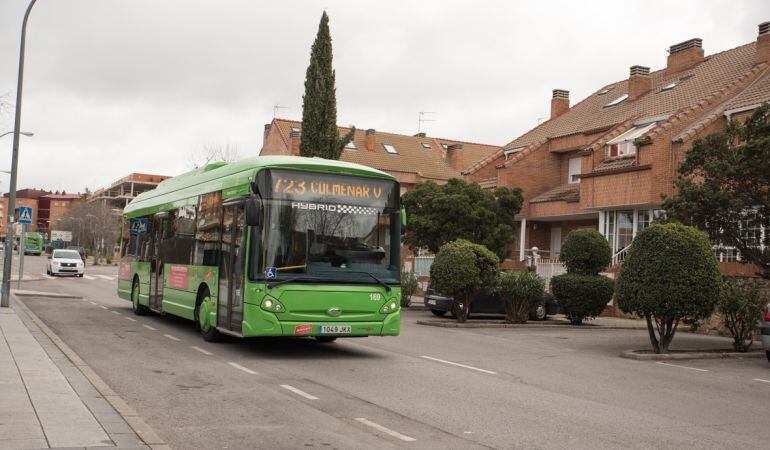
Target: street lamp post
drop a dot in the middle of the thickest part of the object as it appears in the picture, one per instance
(6, 289)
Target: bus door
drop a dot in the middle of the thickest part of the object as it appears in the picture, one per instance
(231, 269)
(160, 222)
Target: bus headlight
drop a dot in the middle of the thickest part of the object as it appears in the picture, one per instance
(390, 307)
(272, 305)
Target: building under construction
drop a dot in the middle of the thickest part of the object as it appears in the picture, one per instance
(120, 192)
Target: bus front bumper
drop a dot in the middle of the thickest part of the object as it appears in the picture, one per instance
(257, 322)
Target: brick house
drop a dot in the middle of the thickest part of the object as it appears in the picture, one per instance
(604, 162)
(411, 159)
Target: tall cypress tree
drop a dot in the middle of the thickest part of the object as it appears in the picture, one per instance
(320, 136)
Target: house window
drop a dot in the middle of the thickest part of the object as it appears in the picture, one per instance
(351, 145)
(623, 145)
(511, 151)
(620, 227)
(295, 129)
(445, 146)
(390, 149)
(573, 175)
(425, 145)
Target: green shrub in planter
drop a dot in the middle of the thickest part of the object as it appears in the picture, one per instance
(408, 286)
(582, 296)
(585, 252)
(462, 269)
(669, 275)
(740, 305)
(520, 291)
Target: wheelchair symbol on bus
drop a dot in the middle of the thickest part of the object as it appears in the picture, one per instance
(270, 273)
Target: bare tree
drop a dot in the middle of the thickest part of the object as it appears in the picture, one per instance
(227, 152)
(94, 226)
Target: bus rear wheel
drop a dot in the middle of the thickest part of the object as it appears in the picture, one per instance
(203, 317)
(138, 308)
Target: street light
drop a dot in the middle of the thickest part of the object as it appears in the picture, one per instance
(24, 133)
(5, 298)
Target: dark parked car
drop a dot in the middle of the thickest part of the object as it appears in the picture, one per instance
(765, 331)
(440, 304)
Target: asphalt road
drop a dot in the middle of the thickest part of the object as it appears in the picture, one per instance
(428, 388)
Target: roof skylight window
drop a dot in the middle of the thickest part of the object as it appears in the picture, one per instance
(425, 145)
(674, 84)
(445, 146)
(351, 145)
(605, 91)
(617, 101)
(390, 149)
(295, 129)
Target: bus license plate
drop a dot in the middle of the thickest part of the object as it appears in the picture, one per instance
(336, 329)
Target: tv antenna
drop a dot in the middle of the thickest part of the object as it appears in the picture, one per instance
(278, 107)
(421, 118)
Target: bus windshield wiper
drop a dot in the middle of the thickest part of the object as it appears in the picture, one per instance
(380, 282)
(273, 284)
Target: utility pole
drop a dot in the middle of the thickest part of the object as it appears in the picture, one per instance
(5, 299)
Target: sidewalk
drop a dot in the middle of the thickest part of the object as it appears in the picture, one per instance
(45, 400)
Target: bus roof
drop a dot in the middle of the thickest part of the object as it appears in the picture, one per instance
(233, 180)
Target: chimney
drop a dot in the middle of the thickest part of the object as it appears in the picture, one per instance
(294, 136)
(559, 102)
(369, 139)
(684, 55)
(454, 154)
(422, 135)
(763, 43)
(639, 82)
(264, 135)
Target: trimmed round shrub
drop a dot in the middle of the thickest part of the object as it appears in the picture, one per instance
(740, 307)
(669, 275)
(408, 286)
(520, 291)
(582, 296)
(461, 269)
(586, 252)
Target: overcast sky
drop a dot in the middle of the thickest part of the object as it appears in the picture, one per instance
(119, 86)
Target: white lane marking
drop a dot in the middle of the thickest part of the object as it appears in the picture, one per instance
(761, 380)
(299, 392)
(102, 306)
(240, 367)
(173, 338)
(205, 352)
(682, 367)
(115, 312)
(458, 365)
(379, 427)
(104, 277)
(150, 328)
(93, 303)
(89, 277)
(131, 319)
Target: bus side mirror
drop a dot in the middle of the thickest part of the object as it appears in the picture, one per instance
(403, 220)
(253, 209)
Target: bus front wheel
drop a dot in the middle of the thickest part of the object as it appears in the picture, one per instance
(137, 307)
(203, 317)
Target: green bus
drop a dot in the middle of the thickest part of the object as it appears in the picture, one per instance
(34, 244)
(268, 246)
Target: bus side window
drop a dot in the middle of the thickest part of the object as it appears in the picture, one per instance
(208, 230)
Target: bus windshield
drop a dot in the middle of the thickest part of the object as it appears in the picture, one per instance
(324, 226)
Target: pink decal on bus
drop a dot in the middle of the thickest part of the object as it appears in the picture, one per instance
(178, 277)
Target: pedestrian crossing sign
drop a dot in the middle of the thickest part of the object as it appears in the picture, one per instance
(139, 226)
(25, 214)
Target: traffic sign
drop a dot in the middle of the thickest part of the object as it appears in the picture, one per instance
(138, 226)
(25, 214)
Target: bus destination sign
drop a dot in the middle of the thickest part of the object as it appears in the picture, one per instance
(329, 188)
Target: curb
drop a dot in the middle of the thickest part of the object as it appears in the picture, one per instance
(22, 293)
(533, 325)
(645, 355)
(129, 414)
